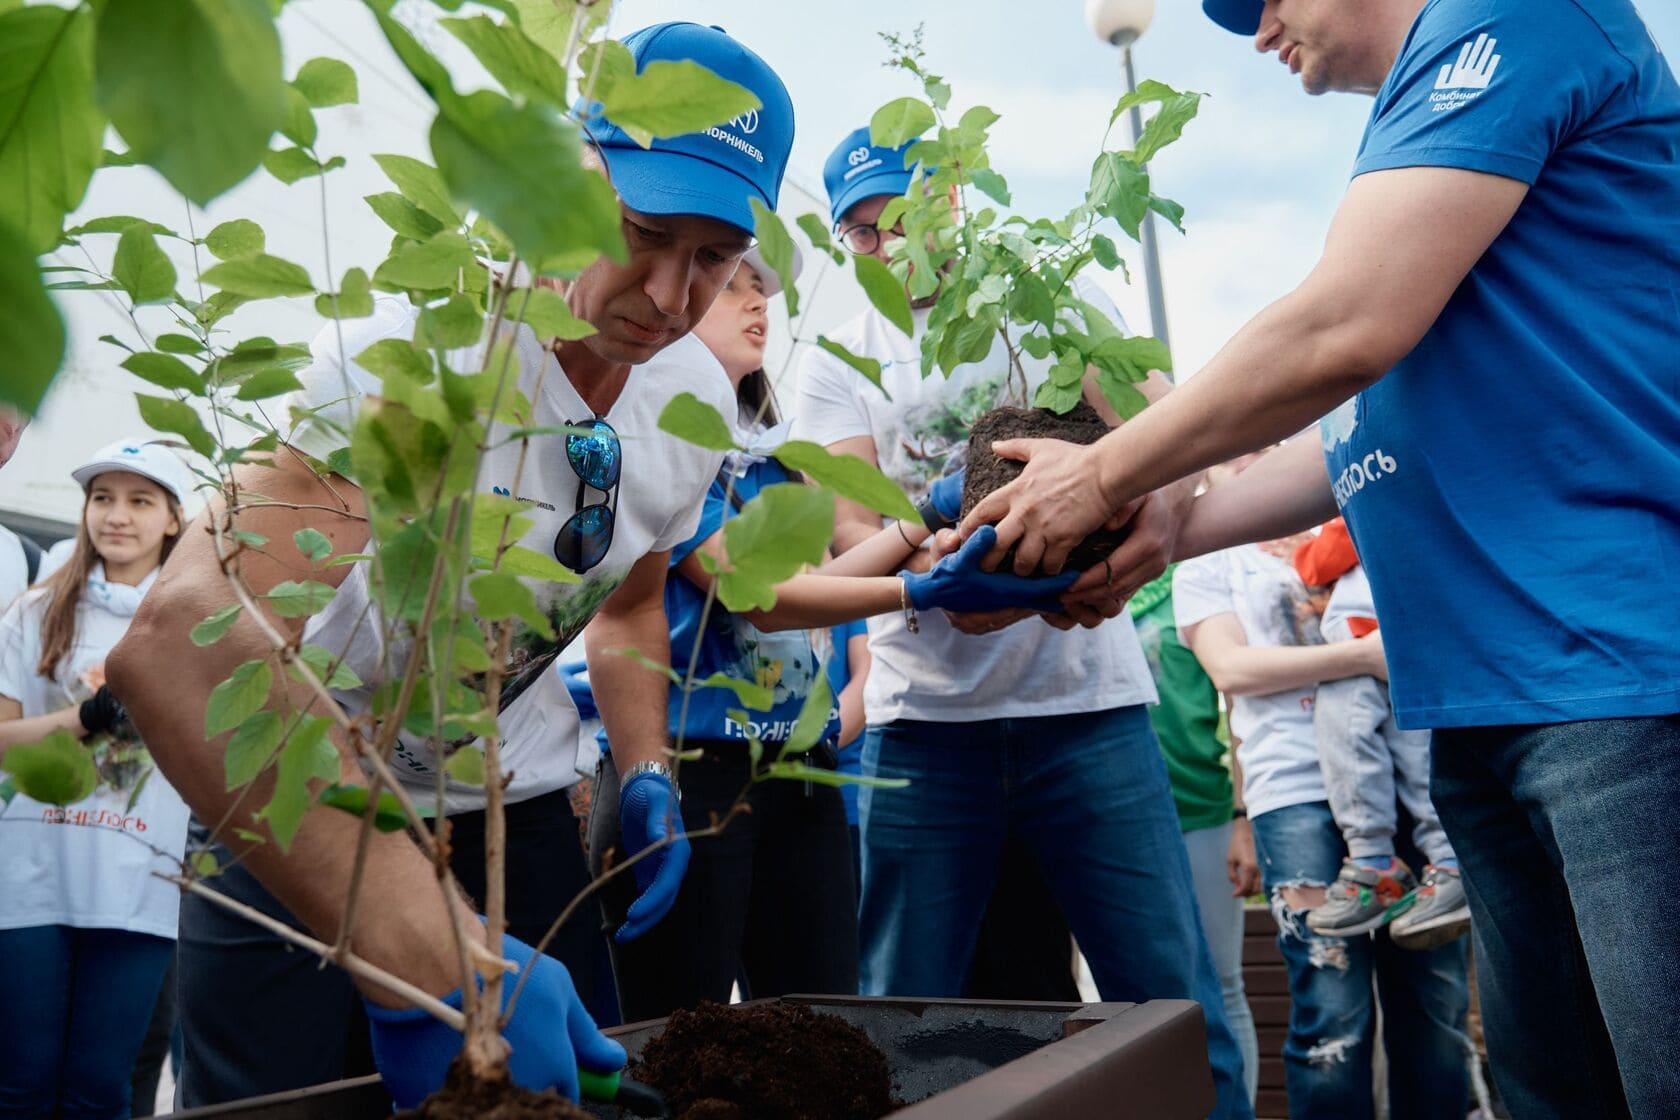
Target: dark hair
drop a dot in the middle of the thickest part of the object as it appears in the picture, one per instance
(758, 399)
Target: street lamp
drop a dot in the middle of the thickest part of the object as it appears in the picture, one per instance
(1120, 23)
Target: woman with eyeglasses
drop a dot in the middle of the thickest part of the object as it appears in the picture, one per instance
(771, 901)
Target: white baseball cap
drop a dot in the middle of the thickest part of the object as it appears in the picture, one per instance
(137, 456)
(767, 275)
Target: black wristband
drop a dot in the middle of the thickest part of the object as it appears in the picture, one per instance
(932, 518)
(1239, 813)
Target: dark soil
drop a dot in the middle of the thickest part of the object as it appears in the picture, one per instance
(464, 1096)
(772, 1062)
(986, 472)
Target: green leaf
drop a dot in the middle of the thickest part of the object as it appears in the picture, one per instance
(1030, 301)
(549, 25)
(204, 865)
(466, 766)
(167, 414)
(455, 323)
(165, 372)
(776, 247)
(313, 544)
(214, 628)
(673, 99)
(327, 666)
(1104, 252)
(521, 561)
(354, 300)
(50, 129)
(1167, 125)
(193, 86)
(523, 68)
(260, 277)
(421, 184)
(750, 693)
(427, 265)
(499, 595)
(143, 270)
(232, 240)
(118, 223)
(289, 165)
(817, 230)
(1131, 358)
(547, 313)
(269, 383)
(1126, 399)
(1119, 190)
(251, 747)
(238, 698)
(800, 772)
(869, 367)
(298, 599)
(900, 121)
(1057, 398)
(325, 82)
(649, 663)
(308, 754)
(396, 357)
(31, 331)
(520, 166)
(388, 815)
(991, 290)
(58, 770)
(991, 183)
(298, 126)
(1169, 210)
(784, 528)
(813, 718)
(403, 216)
(848, 476)
(689, 418)
(886, 292)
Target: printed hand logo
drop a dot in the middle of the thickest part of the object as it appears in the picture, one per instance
(1474, 68)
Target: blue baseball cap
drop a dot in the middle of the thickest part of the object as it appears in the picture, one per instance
(858, 169)
(712, 173)
(1241, 16)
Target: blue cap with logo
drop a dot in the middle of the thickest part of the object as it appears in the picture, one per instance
(858, 169)
(712, 173)
(1241, 16)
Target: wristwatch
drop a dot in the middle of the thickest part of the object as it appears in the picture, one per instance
(651, 766)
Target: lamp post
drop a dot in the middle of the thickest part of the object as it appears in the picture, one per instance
(1120, 23)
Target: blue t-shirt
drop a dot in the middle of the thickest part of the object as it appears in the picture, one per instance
(839, 676)
(782, 661)
(1513, 484)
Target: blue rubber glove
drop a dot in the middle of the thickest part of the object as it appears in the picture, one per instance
(647, 813)
(942, 506)
(551, 1035)
(959, 583)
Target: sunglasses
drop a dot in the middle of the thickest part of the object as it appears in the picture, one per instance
(596, 457)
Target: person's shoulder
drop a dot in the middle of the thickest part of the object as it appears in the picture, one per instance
(687, 364)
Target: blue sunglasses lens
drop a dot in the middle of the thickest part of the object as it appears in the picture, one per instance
(584, 539)
(596, 457)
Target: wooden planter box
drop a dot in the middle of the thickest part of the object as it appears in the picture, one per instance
(955, 1059)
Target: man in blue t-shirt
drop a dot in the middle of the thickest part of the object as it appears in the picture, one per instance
(1500, 297)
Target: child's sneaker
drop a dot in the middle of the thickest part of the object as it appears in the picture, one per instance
(1362, 899)
(1438, 914)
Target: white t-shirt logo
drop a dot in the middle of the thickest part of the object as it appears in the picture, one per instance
(1474, 68)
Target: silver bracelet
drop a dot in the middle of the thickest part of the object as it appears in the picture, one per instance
(651, 766)
(911, 623)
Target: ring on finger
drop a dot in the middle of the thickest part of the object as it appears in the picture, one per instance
(1108, 576)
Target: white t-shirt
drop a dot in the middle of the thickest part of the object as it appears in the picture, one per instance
(14, 567)
(1278, 753)
(940, 674)
(89, 864)
(1350, 599)
(663, 483)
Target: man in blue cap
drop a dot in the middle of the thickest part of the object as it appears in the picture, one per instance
(1498, 297)
(260, 1017)
(1033, 731)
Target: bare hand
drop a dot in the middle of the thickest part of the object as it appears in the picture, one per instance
(1141, 557)
(1054, 504)
(1241, 864)
(985, 622)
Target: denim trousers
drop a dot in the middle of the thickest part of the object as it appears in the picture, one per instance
(77, 1003)
(1087, 793)
(1371, 767)
(1425, 996)
(1222, 923)
(1568, 835)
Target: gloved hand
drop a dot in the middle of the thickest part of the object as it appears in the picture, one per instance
(647, 813)
(959, 583)
(943, 503)
(102, 712)
(551, 1035)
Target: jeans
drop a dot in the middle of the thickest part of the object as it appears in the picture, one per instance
(1368, 764)
(770, 899)
(1568, 835)
(1025, 949)
(259, 1016)
(157, 1047)
(77, 1002)
(1222, 924)
(1332, 1017)
(1087, 793)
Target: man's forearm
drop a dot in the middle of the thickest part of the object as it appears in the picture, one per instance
(632, 699)
(1285, 492)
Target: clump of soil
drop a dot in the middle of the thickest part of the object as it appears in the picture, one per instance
(986, 472)
(465, 1096)
(776, 1061)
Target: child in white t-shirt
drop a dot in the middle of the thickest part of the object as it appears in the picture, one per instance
(87, 930)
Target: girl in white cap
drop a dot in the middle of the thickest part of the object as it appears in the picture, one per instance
(86, 930)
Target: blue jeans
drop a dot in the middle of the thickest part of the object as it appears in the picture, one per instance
(1568, 835)
(77, 1003)
(1222, 923)
(1332, 1016)
(1088, 795)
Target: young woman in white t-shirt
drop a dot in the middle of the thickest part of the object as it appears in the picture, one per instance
(86, 930)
